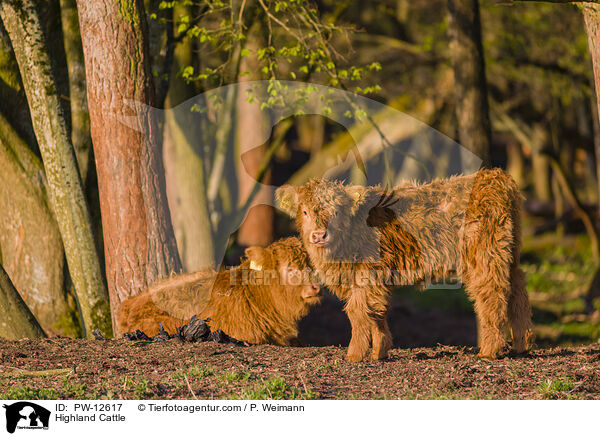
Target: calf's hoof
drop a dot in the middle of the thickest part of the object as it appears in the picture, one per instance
(380, 354)
(487, 356)
(355, 357)
(381, 349)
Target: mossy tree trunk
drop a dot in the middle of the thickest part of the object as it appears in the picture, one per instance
(30, 242)
(64, 184)
(80, 118)
(184, 166)
(466, 53)
(37, 269)
(17, 321)
(139, 243)
(14, 102)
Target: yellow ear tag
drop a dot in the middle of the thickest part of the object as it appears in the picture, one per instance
(254, 266)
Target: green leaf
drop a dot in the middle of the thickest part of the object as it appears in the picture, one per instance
(187, 72)
(182, 28)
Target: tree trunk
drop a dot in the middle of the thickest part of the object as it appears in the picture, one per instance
(139, 243)
(14, 102)
(80, 118)
(66, 193)
(541, 176)
(257, 228)
(50, 20)
(559, 206)
(311, 133)
(184, 168)
(29, 238)
(466, 53)
(25, 214)
(515, 163)
(595, 131)
(591, 16)
(587, 218)
(17, 321)
(187, 193)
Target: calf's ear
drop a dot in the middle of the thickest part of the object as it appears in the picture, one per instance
(256, 256)
(286, 198)
(358, 196)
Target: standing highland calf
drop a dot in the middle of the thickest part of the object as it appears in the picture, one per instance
(465, 226)
(259, 301)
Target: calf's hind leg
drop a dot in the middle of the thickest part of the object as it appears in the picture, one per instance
(378, 305)
(519, 312)
(382, 339)
(489, 288)
(491, 306)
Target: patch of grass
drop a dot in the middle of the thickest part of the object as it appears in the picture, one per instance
(193, 372)
(472, 396)
(77, 391)
(275, 389)
(453, 300)
(557, 266)
(583, 330)
(362, 396)
(550, 388)
(29, 393)
(35, 374)
(559, 276)
(235, 376)
(559, 272)
(128, 382)
(141, 389)
(448, 396)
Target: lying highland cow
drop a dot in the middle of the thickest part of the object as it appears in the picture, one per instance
(358, 237)
(260, 301)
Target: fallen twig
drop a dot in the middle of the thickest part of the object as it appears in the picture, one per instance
(189, 387)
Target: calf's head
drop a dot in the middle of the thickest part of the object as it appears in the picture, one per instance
(325, 213)
(282, 269)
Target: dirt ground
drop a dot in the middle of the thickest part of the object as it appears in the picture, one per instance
(419, 367)
(61, 368)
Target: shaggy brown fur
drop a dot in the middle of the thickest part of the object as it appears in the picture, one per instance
(170, 302)
(260, 301)
(357, 238)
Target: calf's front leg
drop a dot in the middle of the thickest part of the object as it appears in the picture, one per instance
(357, 311)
